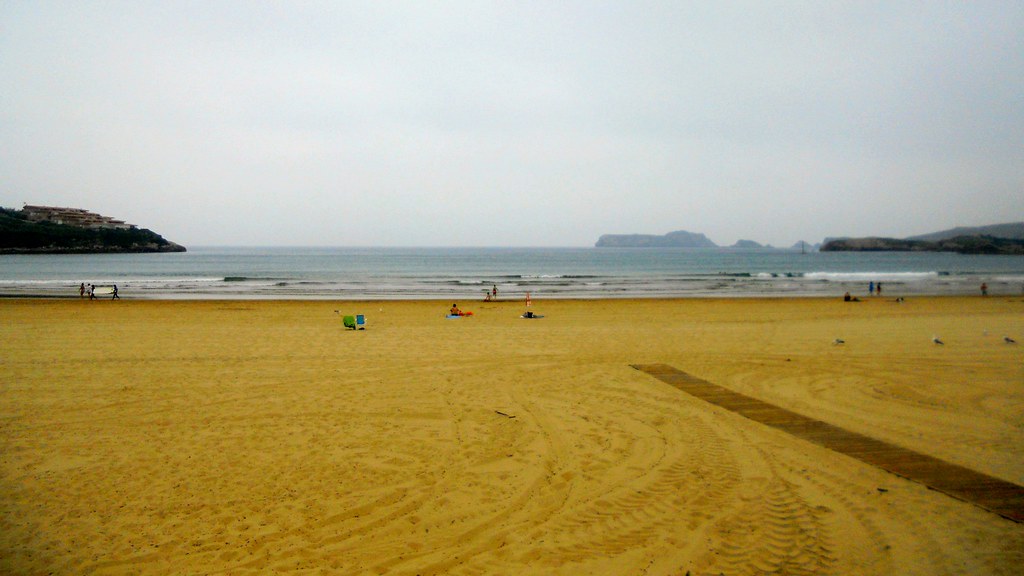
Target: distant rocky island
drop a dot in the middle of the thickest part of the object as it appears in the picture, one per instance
(682, 239)
(995, 239)
(58, 230)
(677, 239)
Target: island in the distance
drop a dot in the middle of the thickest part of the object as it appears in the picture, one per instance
(677, 239)
(682, 239)
(57, 230)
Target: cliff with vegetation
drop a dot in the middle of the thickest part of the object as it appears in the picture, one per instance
(26, 232)
(958, 244)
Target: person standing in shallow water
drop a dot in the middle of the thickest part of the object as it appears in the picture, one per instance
(984, 289)
(81, 290)
(871, 288)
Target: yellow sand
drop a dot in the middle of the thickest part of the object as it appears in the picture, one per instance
(146, 437)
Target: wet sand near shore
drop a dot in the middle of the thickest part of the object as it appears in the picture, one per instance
(234, 437)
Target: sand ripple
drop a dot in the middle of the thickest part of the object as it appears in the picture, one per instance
(211, 440)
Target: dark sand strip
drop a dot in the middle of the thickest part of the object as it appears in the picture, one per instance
(999, 496)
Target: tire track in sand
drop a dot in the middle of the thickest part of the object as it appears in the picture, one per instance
(993, 494)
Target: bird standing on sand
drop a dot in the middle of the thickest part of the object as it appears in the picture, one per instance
(1009, 340)
(838, 341)
(937, 341)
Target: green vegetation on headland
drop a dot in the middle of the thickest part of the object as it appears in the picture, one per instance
(958, 244)
(20, 235)
(993, 239)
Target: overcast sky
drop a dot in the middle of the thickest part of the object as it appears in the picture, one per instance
(515, 123)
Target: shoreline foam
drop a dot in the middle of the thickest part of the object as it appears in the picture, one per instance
(400, 274)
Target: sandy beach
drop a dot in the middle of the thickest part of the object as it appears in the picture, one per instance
(254, 437)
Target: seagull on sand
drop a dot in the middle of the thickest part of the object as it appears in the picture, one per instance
(937, 341)
(1009, 340)
(838, 341)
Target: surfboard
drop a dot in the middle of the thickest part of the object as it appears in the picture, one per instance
(102, 290)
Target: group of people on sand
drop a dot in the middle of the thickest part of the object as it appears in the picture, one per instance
(489, 297)
(492, 294)
(876, 289)
(90, 291)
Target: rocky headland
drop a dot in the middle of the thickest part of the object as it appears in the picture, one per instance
(994, 239)
(958, 244)
(52, 230)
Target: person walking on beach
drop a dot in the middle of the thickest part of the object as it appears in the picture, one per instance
(878, 289)
(984, 289)
(115, 296)
(81, 290)
(494, 292)
(871, 288)
(91, 290)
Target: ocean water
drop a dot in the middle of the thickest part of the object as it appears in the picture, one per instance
(465, 273)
